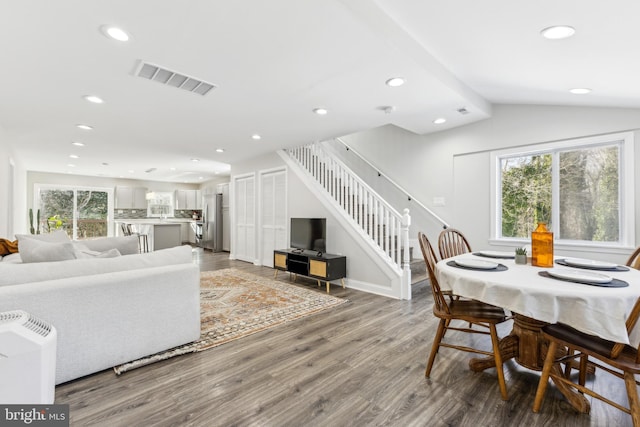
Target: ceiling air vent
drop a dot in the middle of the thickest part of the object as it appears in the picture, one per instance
(173, 78)
(463, 111)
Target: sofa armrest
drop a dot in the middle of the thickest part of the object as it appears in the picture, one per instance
(108, 319)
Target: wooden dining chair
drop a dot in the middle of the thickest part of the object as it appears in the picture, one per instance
(621, 360)
(634, 259)
(451, 242)
(470, 311)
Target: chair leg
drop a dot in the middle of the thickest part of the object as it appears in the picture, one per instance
(498, 358)
(435, 346)
(544, 377)
(632, 395)
(569, 364)
(582, 377)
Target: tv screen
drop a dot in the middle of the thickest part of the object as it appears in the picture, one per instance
(309, 233)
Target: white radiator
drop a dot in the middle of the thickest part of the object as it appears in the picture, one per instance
(27, 359)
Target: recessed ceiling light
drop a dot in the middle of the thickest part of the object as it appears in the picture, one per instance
(558, 32)
(580, 91)
(73, 156)
(219, 150)
(71, 165)
(195, 160)
(440, 120)
(395, 81)
(131, 171)
(84, 127)
(255, 136)
(115, 33)
(78, 144)
(320, 111)
(94, 99)
(172, 169)
(200, 177)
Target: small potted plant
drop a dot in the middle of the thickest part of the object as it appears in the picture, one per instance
(521, 255)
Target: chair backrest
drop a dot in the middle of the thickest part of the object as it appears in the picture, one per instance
(431, 260)
(634, 259)
(451, 242)
(125, 229)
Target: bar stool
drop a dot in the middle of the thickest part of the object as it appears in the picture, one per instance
(143, 239)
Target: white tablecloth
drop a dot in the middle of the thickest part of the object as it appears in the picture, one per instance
(591, 309)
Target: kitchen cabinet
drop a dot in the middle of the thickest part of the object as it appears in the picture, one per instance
(188, 200)
(131, 197)
(187, 234)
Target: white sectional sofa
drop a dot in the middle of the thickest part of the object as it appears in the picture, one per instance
(108, 311)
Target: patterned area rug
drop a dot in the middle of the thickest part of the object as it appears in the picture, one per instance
(234, 304)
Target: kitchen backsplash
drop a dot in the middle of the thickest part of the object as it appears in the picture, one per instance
(142, 213)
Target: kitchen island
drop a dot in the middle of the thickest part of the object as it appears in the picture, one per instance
(161, 234)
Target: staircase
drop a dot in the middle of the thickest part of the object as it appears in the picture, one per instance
(381, 228)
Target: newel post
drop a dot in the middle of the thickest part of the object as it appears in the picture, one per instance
(405, 292)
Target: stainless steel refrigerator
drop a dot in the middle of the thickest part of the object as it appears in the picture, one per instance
(211, 222)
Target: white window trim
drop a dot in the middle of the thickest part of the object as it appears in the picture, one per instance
(626, 189)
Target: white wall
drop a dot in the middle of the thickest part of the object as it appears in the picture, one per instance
(5, 187)
(454, 164)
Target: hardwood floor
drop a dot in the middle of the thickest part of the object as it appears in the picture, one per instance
(360, 364)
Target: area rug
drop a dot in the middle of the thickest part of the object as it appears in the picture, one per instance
(235, 304)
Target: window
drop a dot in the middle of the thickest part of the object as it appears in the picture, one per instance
(81, 211)
(582, 189)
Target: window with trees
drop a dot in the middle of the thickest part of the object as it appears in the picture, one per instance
(582, 189)
(81, 211)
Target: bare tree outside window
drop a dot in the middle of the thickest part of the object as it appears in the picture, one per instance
(589, 205)
(583, 188)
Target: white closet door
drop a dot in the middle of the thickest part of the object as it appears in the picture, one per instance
(245, 223)
(273, 218)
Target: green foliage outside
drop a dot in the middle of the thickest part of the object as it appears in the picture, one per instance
(588, 194)
(57, 209)
(526, 194)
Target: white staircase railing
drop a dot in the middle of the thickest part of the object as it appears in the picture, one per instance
(387, 229)
(399, 188)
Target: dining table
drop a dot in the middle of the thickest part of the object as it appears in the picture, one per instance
(591, 296)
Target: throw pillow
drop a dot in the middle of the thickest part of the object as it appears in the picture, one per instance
(82, 251)
(57, 236)
(33, 250)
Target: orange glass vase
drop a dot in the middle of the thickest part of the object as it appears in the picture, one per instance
(542, 246)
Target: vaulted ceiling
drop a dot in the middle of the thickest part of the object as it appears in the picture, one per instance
(273, 62)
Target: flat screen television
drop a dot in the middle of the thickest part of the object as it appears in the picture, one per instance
(309, 234)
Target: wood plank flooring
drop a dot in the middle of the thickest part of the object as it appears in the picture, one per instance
(359, 364)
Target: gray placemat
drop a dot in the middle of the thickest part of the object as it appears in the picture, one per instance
(562, 261)
(615, 283)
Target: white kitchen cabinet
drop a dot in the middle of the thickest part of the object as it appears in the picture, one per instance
(131, 197)
(188, 200)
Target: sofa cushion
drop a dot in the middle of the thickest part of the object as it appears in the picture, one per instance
(16, 273)
(12, 258)
(59, 236)
(82, 251)
(126, 245)
(33, 250)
